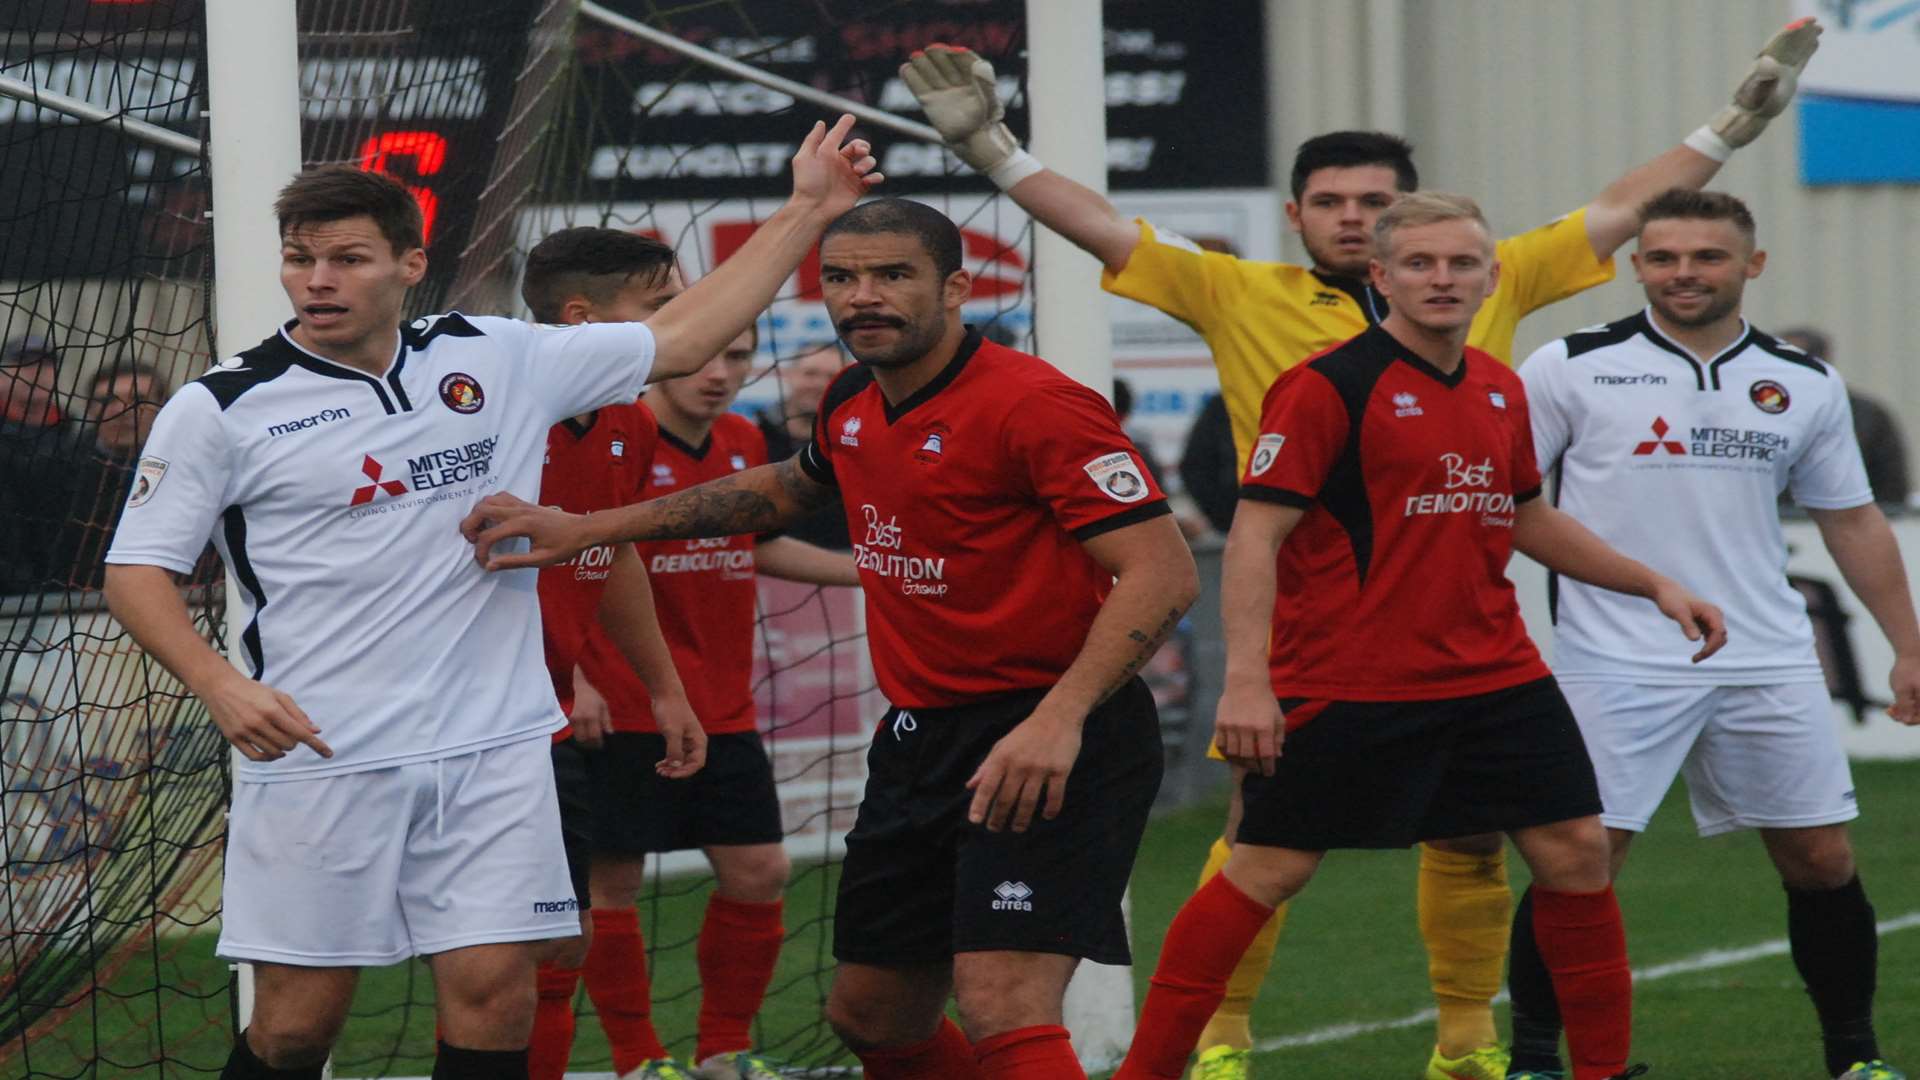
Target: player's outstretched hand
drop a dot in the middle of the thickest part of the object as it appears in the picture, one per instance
(956, 88)
(553, 535)
(686, 739)
(1905, 681)
(1699, 620)
(1769, 84)
(1248, 727)
(261, 722)
(831, 171)
(1028, 763)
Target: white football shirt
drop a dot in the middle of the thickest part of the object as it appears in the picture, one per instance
(1678, 461)
(335, 499)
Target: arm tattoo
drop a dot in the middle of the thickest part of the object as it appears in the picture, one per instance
(806, 493)
(1149, 644)
(758, 500)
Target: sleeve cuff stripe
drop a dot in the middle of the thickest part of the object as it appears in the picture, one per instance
(818, 473)
(1528, 495)
(1121, 520)
(1262, 493)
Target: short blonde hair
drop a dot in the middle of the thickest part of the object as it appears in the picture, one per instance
(1426, 208)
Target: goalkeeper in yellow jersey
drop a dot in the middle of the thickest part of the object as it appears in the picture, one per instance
(1261, 318)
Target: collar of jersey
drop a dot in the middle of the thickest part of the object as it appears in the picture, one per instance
(969, 345)
(305, 354)
(1701, 369)
(697, 453)
(1390, 346)
(1373, 306)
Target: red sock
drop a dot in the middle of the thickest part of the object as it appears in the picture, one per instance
(1199, 952)
(739, 945)
(1029, 1053)
(616, 974)
(552, 1040)
(1584, 945)
(946, 1056)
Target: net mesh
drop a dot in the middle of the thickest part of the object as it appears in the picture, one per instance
(508, 118)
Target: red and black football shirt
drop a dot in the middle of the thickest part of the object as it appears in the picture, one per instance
(596, 466)
(703, 592)
(968, 503)
(1393, 586)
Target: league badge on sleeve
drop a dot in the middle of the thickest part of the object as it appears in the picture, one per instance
(146, 480)
(1118, 477)
(1265, 449)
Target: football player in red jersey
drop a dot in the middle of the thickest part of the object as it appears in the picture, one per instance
(706, 597)
(597, 461)
(1020, 566)
(1371, 630)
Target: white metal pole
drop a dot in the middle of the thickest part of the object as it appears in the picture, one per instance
(253, 97)
(1066, 104)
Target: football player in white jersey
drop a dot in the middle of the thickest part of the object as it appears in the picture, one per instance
(1675, 430)
(396, 798)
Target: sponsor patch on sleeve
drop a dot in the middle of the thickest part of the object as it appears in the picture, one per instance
(146, 480)
(1118, 477)
(1265, 449)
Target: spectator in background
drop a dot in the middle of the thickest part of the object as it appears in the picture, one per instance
(1208, 468)
(1874, 425)
(789, 425)
(37, 450)
(121, 404)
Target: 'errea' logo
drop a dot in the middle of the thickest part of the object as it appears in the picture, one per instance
(1012, 896)
(324, 416)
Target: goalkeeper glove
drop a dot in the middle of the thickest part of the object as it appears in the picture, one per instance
(1763, 94)
(956, 89)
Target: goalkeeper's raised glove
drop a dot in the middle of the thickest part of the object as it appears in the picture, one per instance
(1763, 94)
(956, 89)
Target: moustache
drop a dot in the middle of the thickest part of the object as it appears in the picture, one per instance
(849, 325)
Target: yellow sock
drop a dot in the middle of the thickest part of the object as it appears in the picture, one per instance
(1465, 912)
(1231, 1024)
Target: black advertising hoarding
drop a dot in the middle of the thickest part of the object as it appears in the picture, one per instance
(418, 89)
(1185, 94)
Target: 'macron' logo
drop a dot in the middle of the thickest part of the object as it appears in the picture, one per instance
(1659, 442)
(372, 469)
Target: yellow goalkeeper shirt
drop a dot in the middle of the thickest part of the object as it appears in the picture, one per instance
(1261, 318)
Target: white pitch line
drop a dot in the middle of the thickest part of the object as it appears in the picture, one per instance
(1706, 961)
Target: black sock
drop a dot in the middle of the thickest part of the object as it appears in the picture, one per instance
(1536, 1012)
(243, 1064)
(1836, 947)
(459, 1063)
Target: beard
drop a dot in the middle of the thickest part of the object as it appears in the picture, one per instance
(1332, 260)
(1719, 306)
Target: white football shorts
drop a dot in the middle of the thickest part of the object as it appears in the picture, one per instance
(1755, 757)
(370, 868)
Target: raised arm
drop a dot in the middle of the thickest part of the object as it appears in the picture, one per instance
(1561, 544)
(956, 88)
(1154, 584)
(1862, 545)
(260, 722)
(830, 174)
(761, 499)
(1769, 85)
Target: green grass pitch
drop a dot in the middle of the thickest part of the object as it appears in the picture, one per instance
(1351, 955)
